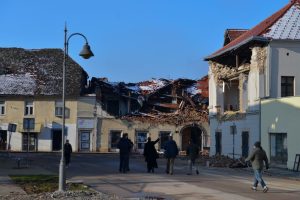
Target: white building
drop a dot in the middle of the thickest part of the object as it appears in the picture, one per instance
(253, 66)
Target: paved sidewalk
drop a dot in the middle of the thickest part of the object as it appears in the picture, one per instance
(8, 166)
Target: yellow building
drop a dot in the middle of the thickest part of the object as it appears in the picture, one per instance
(30, 98)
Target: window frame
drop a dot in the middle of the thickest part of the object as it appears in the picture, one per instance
(29, 108)
(286, 85)
(2, 107)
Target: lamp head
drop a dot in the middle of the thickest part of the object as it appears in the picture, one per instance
(86, 52)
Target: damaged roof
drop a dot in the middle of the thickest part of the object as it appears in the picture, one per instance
(284, 24)
(38, 72)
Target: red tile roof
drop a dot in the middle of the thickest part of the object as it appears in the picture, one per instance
(258, 30)
(232, 34)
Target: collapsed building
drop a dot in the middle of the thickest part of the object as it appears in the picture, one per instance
(156, 108)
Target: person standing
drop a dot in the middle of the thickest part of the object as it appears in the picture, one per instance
(258, 157)
(171, 151)
(67, 152)
(151, 154)
(125, 146)
(192, 152)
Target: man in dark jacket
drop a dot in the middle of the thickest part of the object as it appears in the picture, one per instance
(67, 152)
(192, 152)
(125, 146)
(151, 154)
(257, 157)
(171, 151)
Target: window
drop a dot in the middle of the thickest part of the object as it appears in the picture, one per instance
(2, 107)
(287, 86)
(114, 139)
(28, 123)
(163, 138)
(279, 153)
(58, 108)
(28, 107)
(141, 139)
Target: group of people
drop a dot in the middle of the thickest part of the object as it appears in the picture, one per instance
(258, 157)
(150, 153)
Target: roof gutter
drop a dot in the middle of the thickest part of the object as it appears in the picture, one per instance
(235, 47)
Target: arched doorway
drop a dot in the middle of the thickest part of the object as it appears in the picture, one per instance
(193, 133)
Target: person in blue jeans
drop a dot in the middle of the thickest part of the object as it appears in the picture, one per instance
(258, 157)
(125, 146)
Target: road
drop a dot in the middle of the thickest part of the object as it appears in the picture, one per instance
(100, 171)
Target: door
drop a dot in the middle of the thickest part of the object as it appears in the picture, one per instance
(56, 140)
(3, 139)
(85, 140)
(29, 142)
(245, 144)
(279, 150)
(218, 143)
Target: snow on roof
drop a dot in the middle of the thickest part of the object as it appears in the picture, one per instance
(38, 72)
(152, 85)
(20, 84)
(193, 90)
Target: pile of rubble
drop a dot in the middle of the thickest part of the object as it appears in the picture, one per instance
(222, 161)
(187, 115)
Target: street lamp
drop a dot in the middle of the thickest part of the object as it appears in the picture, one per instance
(86, 53)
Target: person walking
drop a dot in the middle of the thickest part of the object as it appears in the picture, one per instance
(257, 158)
(125, 146)
(67, 152)
(192, 152)
(171, 151)
(151, 154)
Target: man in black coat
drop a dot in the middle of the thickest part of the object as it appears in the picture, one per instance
(67, 152)
(151, 154)
(125, 146)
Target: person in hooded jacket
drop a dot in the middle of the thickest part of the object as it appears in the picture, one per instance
(151, 154)
(257, 158)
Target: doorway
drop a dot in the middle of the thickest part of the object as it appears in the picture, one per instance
(3, 139)
(56, 140)
(191, 133)
(29, 142)
(85, 140)
(245, 144)
(218, 143)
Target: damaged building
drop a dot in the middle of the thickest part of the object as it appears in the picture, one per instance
(156, 108)
(253, 84)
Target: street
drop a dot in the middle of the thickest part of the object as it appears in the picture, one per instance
(100, 171)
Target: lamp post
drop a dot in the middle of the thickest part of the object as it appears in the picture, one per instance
(86, 53)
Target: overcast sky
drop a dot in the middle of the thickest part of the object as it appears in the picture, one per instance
(133, 40)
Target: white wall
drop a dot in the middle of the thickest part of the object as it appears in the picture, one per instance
(282, 116)
(250, 124)
(284, 61)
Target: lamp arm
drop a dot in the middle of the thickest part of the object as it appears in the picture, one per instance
(86, 41)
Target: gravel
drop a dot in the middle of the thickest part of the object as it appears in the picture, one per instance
(67, 195)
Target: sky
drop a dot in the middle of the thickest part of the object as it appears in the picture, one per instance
(133, 40)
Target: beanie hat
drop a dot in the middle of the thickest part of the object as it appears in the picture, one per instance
(257, 145)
